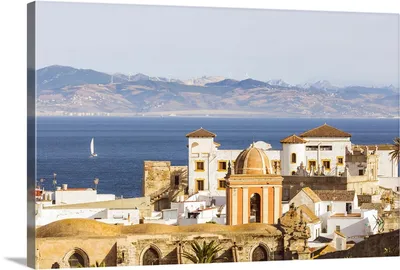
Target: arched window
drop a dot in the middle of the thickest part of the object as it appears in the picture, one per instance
(293, 158)
(193, 147)
(293, 173)
(76, 258)
(255, 208)
(259, 254)
(76, 261)
(151, 257)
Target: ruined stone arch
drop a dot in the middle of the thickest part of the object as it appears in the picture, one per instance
(260, 249)
(150, 252)
(83, 258)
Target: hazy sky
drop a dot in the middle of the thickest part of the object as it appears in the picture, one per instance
(183, 42)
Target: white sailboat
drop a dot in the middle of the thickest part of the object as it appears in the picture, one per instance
(92, 153)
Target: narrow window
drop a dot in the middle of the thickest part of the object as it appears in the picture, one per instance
(199, 165)
(360, 172)
(222, 166)
(200, 184)
(327, 164)
(221, 184)
(340, 161)
(176, 180)
(293, 157)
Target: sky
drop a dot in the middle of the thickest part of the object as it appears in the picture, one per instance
(187, 42)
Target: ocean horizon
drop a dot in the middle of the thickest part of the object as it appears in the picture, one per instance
(122, 144)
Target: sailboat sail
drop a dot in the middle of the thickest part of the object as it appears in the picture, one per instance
(92, 147)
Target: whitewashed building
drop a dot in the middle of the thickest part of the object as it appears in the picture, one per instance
(111, 216)
(321, 151)
(356, 225)
(65, 195)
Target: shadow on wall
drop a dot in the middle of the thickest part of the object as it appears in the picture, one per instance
(111, 257)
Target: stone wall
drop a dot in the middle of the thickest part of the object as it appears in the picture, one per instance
(292, 184)
(156, 175)
(129, 250)
(53, 252)
(159, 183)
(168, 246)
(379, 245)
(392, 221)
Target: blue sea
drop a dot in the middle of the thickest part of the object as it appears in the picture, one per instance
(122, 144)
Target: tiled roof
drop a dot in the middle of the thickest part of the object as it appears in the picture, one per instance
(326, 249)
(201, 133)
(376, 206)
(325, 131)
(293, 139)
(310, 193)
(308, 215)
(336, 195)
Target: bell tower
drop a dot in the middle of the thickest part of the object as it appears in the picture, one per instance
(254, 191)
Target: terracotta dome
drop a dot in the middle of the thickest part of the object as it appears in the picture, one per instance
(252, 161)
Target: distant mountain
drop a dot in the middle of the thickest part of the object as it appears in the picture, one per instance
(320, 85)
(244, 84)
(280, 83)
(250, 83)
(203, 80)
(223, 83)
(56, 77)
(139, 77)
(68, 90)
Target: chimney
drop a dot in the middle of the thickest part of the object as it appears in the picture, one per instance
(64, 187)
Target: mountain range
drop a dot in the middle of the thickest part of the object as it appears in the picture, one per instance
(63, 90)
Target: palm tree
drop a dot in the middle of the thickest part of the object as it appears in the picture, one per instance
(206, 253)
(395, 154)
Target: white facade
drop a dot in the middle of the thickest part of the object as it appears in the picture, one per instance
(390, 182)
(112, 216)
(292, 156)
(387, 167)
(320, 150)
(352, 225)
(202, 216)
(208, 164)
(315, 230)
(73, 196)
